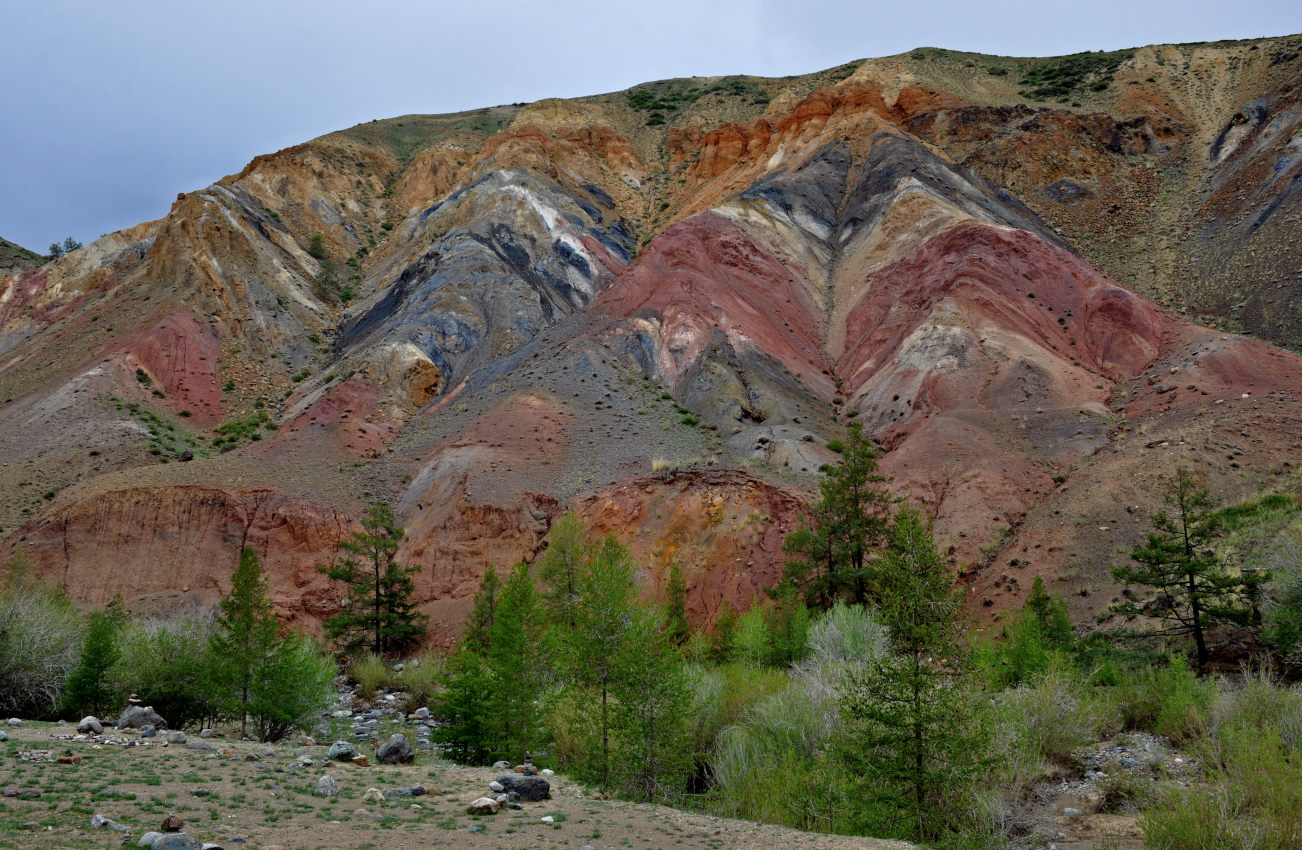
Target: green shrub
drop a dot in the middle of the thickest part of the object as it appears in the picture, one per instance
(166, 663)
(1051, 717)
(1169, 700)
(40, 643)
(421, 680)
(371, 674)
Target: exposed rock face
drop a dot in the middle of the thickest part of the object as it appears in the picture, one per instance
(568, 305)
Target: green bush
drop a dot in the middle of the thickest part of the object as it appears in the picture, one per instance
(165, 662)
(1169, 700)
(40, 643)
(371, 674)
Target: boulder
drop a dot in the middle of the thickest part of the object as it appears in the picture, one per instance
(531, 788)
(3, 736)
(326, 786)
(136, 716)
(90, 725)
(176, 841)
(373, 795)
(148, 839)
(406, 791)
(343, 751)
(396, 749)
(172, 823)
(482, 806)
(98, 821)
(177, 738)
(14, 721)
(501, 765)
(148, 731)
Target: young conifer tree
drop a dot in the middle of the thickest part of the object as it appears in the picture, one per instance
(245, 636)
(378, 612)
(911, 738)
(1195, 588)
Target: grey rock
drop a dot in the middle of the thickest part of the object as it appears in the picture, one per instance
(3, 736)
(201, 792)
(531, 788)
(422, 712)
(198, 745)
(13, 721)
(177, 738)
(343, 751)
(148, 839)
(205, 733)
(406, 791)
(501, 765)
(176, 841)
(148, 731)
(136, 716)
(208, 845)
(23, 793)
(98, 821)
(90, 725)
(396, 749)
(482, 806)
(1069, 812)
(326, 786)
(497, 786)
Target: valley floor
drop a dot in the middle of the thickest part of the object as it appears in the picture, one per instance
(228, 800)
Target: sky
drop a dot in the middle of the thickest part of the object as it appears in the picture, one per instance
(108, 110)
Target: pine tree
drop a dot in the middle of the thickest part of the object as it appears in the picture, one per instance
(833, 551)
(89, 686)
(246, 634)
(378, 612)
(910, 735)
(1195, 589)
(480, 621)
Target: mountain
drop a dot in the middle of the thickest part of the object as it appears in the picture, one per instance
(657, 306)
(16, 258)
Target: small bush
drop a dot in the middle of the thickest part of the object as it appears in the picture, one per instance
(40, 643)
(371, 674)
(1170, 700)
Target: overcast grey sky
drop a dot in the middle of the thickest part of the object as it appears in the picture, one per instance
(107, 110)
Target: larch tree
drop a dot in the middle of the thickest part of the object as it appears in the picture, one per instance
(245, 634)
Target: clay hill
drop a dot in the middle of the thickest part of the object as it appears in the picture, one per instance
(1029, 278)
(16, 258)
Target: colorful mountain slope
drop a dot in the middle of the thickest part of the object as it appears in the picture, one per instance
(657, 307)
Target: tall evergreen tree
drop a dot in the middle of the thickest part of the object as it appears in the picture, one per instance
(245, 635)
(595, 649)
(378, 612)
(482, 612)
(89, 687)
(1195, 589)
(910, 735)
(651, 713)
(832, 552)
(518, 665)
(677, 627)
(560, 565)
